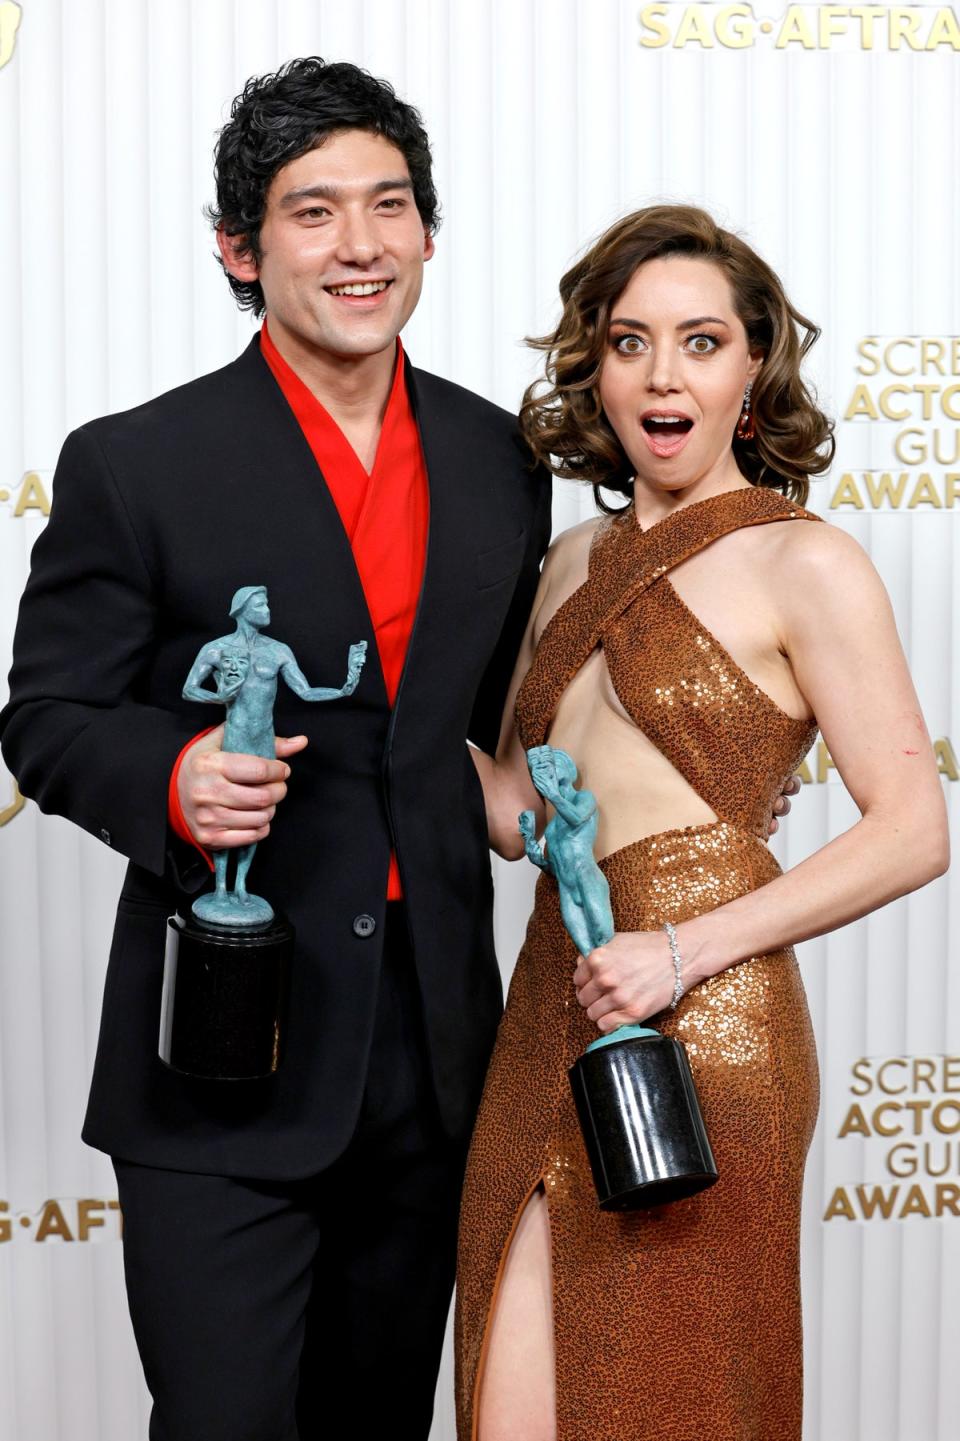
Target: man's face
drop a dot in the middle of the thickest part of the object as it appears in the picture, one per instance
(342, 247)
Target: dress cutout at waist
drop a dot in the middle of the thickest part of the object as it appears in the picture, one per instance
(674, 679)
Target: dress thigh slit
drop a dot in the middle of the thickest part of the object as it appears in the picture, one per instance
(680, 1321)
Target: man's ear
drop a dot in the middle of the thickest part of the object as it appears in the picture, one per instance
(428, 246)
(237, 258)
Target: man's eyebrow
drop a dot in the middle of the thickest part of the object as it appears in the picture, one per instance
(321, 191)
(684, 325)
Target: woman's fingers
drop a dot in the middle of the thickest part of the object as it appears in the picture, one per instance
(628, 979)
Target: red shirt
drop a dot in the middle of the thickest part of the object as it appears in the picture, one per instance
(385, 515)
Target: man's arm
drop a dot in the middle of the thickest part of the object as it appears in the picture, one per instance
(484, 730)
(76, 740)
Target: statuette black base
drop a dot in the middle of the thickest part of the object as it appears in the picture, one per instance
(641, 1123)
(224, 998)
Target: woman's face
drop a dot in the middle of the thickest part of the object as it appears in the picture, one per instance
(675, 370)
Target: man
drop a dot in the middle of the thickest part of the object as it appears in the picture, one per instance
(289, 1243)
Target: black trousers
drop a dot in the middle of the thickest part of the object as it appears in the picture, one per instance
(315, 1309)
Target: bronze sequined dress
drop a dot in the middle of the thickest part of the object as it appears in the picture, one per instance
(681, 1322)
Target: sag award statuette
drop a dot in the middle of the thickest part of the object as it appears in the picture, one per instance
(227, 964)
(634, 1093)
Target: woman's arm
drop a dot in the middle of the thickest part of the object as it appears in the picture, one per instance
(838, 630)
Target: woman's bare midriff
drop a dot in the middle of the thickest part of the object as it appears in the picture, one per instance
(638, 791)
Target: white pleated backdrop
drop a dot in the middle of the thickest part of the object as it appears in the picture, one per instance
(833, 150)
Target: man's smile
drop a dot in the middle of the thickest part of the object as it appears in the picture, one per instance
(358, 289)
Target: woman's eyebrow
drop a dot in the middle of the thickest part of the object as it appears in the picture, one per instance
(684, 324)
(701, 320)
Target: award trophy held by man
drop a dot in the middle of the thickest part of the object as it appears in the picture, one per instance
(226, 967)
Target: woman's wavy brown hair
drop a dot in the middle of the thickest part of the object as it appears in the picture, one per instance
(564, 423)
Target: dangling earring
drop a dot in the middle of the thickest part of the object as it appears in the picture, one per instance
(746, 429)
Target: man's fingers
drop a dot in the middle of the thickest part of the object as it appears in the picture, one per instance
(227, 819)
(216, 838)
(248, 770)
(289, 745)
(219, 792)
(216, 791)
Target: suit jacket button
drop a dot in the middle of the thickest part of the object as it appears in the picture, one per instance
(105, 836)
(364, 926)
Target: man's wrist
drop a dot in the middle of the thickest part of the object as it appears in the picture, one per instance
(176, 819)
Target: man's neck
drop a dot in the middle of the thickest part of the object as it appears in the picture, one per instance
(354, 389)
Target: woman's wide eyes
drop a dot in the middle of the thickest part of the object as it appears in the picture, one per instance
(696, 344)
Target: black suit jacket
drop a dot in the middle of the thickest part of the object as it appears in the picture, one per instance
(159, 514)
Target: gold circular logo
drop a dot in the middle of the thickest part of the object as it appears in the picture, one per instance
(7, 813)
(10, 15)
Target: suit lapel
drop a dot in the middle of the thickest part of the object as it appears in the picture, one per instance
(441, 452)
(316, 536)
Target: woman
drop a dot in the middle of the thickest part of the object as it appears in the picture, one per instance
(683, 651)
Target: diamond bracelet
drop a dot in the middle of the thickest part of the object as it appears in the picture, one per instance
(675, 957)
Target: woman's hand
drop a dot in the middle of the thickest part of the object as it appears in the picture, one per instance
(628, 979)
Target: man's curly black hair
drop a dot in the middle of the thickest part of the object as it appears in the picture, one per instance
(279, 117)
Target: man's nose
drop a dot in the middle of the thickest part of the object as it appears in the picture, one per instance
(359, 241)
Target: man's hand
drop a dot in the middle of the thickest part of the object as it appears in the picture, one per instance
(229, 799)
(781, 806)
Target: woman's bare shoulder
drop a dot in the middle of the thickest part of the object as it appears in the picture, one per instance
(569, 553)
(568, 558)
(818, 567)
(808, 547)
(564, 569)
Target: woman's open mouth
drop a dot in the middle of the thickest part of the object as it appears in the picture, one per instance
(666, 431)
